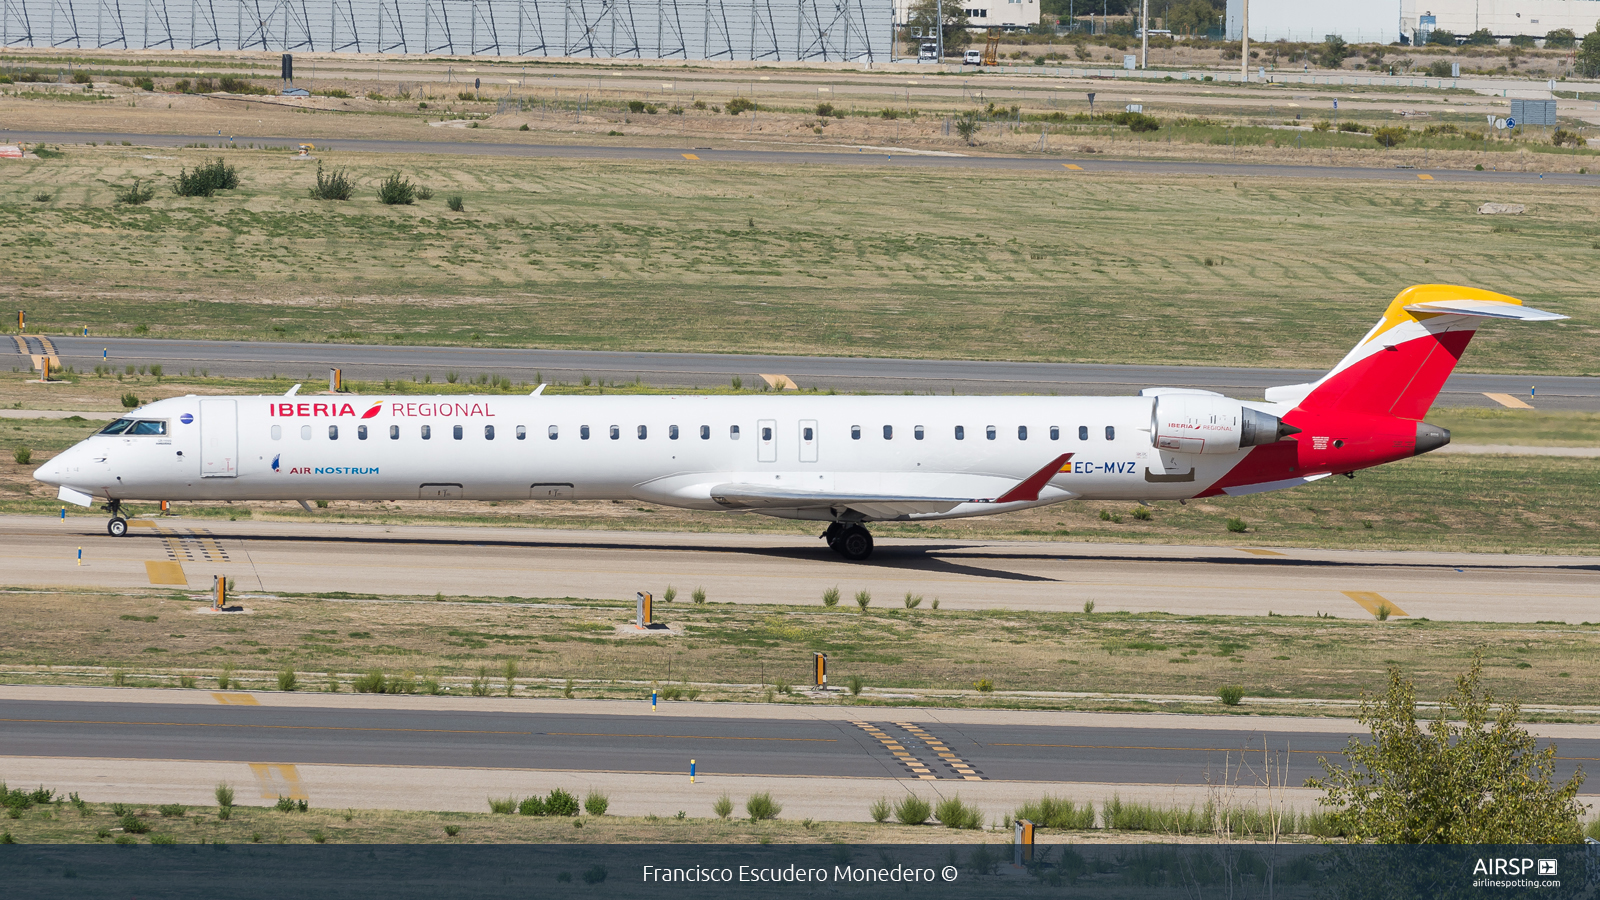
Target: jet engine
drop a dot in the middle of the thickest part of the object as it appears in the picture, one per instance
(1210, 423)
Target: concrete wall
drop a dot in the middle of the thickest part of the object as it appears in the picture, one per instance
(1357, 21)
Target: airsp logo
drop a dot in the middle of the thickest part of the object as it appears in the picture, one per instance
(1513, 866)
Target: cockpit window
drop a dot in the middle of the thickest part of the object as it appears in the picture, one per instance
(148, 426)
(117, 427)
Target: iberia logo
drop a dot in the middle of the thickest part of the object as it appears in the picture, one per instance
(377, 406)
(275, 463)
(315, 409)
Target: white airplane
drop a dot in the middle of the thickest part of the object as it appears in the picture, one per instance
(846, 461)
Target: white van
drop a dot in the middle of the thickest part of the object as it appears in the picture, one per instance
(972, 58)
(928, 52)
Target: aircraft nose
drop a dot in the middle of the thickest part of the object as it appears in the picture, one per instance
(50, 472)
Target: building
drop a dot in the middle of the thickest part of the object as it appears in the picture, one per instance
(1008, 15)
(1388, 21)
(1357, 21)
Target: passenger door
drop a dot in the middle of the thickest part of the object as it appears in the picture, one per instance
(219, 438)
(767, 440)
(808, 440)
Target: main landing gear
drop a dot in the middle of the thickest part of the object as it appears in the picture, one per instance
(851, 541)
(118, 526)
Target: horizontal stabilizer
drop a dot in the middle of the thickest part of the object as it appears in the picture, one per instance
(1486, 309)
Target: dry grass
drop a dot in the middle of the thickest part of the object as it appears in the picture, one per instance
(922, 656)
(787, 259)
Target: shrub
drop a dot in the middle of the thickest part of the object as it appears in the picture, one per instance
(480, 683)
(163, 839)
(397, 191)
(967, 125)
(206, 179)
(889, 114)
(856, 684)
(241, 86)
(830, 597)
(452, 830)
(335, 185)
(824, 110)
(1088, 606)
(560, 803)
(1353, 127)
(596, 804)
(524, 127)
(1137, 121)
(1384, 612)
(1237, 526)
(132, 824)
(1146, 817)
(1143, 514)
(339, 93)
(761, 806)
(740, 104)
(783, 685)
(1230, 694)
(287, 680)
(284, 804)
(224, 795)
(424, 193)
(22, 455)
(371, 683)
(136, 194)
(1053, 812)
(952, 813)
(863, 599)
(984, 685)
(699, 595)
(503, 807)
(455, 203)
(723, 806)
(511, 677)
(533, 806)
(912, 810)
(1563, 137)
(1391, 135)
(1323, 125)
(913, 600)
(1560, 39)
(172, 810)
(636, 106)
(879, 810)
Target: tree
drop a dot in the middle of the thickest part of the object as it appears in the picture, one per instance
(1442, 38)
(967, 126)
(1588, 61)
(1333, 52)
(1560, 39)
(923, 17)
(1483, 37)
(1465, 780)
(1191, 17)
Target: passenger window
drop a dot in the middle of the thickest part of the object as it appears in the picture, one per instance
(277, 432)
(583, 432)
(917, 432)
(305, 432)
(1083, 432)
(1111, 432)
(961, 432)
(333, 432)
(855, 432)
(488, 432)
(766, 434)
(705, 432)
(615, 432)
(672, 432)
(522, 432)
(733, 432)
(644, 432)
(1055, 432)
(118, 427)
(988, 432)
(394, 432)
(807, 434)
(888, 432)
(427, 432)
(1022, 432)
(555, 432)
(361, 432)
(456, 432)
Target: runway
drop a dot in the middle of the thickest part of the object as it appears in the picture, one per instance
(365, 362)
(875, 157)
(821, 759)
(400, 560)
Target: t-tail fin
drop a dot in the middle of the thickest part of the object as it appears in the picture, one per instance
(1400, 366)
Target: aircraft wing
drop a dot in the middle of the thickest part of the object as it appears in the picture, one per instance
(876, 506)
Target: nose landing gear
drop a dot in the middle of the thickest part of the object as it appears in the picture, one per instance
(118, 526)
(851, 541)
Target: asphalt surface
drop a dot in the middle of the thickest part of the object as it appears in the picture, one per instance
(374, 363)
(643, 744)
(399, 560)
(878, 157)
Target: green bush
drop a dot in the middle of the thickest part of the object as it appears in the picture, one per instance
(890, 114)
(163, 839)
(1353, 127)
(136, 194)
(856, 683)
(1391, 135)
(723, 806)
(206, 179)
(879, 810)
(336, 185)
(533, 806)
(132, 824)
(739, 104)
(371, 683)
(424, 192)
(397, 191)
(1237, 526)
(503, 807)
(172, 810)
(596, 803)
(224, 795)
(287, 680)
(863, 599)
(1230, 694)
(1560, 39)
(913, 600)
(698, 595)
(952, 813)
(983, 685)
(830, 597)
(912, 810)
(22, 455)
(1053, 812)
(560, 803)
(1137, 121)
(130, 401)
(636, 106)
(761, 806)
(455, 203)
(241, 86)
(824, 110)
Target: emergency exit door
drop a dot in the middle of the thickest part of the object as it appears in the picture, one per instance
(219, 438)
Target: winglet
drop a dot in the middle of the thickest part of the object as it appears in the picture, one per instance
(1028, 489)
(538, 390)
(292, 391)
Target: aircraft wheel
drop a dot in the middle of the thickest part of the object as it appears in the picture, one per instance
(855, 543)
(117, 527)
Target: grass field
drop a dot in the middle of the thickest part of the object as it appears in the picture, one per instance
(572, 647)
(788, 259)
